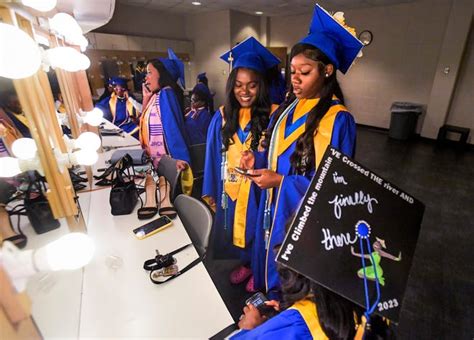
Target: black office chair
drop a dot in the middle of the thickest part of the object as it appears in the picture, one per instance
(167, 168)
(198, 158)
(197, 221)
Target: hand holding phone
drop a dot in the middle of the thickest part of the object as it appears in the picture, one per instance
(152, 227)
(258, 301)
(245, 172)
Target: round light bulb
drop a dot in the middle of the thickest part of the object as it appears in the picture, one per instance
(83, 62)
(88, 141)
(20, 57)
(94, 117)
(86, 157)
(40, 5)
(68, 59)
(65, 25)
(71, 251)
(9, 167)
(24, 148)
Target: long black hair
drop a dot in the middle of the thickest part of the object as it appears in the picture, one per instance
(260, 112)
(167, 80)
(302, 159)
(335, 313)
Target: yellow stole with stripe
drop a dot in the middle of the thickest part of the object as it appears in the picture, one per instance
(307, 309)
(113, 107)
(144, 128)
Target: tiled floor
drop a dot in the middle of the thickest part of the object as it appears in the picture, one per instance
(439, 302)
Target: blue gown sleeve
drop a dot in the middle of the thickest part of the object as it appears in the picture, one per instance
(344, 133)
(287, 325)
(104, 106)
(173, 125)
(212, 165)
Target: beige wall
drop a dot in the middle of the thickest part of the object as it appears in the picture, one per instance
(400, 63)
(210, 33)
(462, 107)
(132, 20)
(242, 26)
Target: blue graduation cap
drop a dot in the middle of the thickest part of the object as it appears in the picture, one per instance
(333, 39)
(202, 90)
(201, 76)
(250, 54)
(118, 81)
(174, 66)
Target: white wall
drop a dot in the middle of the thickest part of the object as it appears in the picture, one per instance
(242, 26)
(210, 33)
(132, 20)
(399, 65)
(462, 107)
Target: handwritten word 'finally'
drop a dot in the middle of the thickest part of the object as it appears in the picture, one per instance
(341, 240)
(358, 198)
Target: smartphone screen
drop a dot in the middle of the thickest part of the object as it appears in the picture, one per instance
(152, 227)
(258, 300)
(244, 172)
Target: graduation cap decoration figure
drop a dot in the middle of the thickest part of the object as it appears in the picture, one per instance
(355, 233)
(175, 67)
(251, 54)
(336, 40)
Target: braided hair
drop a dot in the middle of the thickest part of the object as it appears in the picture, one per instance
(260, 111)
(303, 158)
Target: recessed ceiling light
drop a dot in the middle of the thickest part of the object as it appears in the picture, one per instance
(258, 12)
(196, 3)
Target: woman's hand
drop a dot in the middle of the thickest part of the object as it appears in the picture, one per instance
(247, 161)
(265, 178)
(146, 95)
(181, 165)
(251, 318)
(274, 304)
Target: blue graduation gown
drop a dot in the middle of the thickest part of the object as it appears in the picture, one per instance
(122, 117)
(24, 130)
(196, 123)
(338, 129)
(278, 90)
(223, 229)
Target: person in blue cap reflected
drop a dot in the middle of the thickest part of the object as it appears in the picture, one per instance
(197, 119)
(236, 127)
(201, 81)
(120, 108)
(310, 119)
(161, 124)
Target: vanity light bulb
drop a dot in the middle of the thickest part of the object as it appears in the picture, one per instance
(71, 251)
(20, 57)
(40, 5)
(94, 117)
(88, 141)
(86, 157)
(9, 167)
(68, 59)
(24, 148)
(65, 25)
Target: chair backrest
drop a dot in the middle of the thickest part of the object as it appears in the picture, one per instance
(198, 157)
(197, 221)
(167, 168)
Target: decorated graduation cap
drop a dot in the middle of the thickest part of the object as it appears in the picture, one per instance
(174, 66)
(250, 54)
(118, 81)
(336, 40)
(355, 233)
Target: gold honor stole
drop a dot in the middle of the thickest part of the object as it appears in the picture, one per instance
(144, 128)
(113, 107)
(307, 309)
(238, 187)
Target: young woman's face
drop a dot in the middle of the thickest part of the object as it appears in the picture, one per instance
(152, 78)
(305, 77)
(246, 87)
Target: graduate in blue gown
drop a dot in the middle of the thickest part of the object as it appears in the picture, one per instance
(201, 80)
(197, 119)
(312, 117)
(236, 127)
(277, 85)
(120, 108)
(162, 129)
(14, 112)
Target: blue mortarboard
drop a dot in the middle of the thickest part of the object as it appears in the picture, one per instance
(250, 54)
(174, 66)
(202, 89)
(118, 81)
(333, 39)
(201, 76)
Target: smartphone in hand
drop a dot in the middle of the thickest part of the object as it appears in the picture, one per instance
(244, 172)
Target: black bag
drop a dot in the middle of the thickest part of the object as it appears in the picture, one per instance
(124, 193)
(139, 156)
(37, 207)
